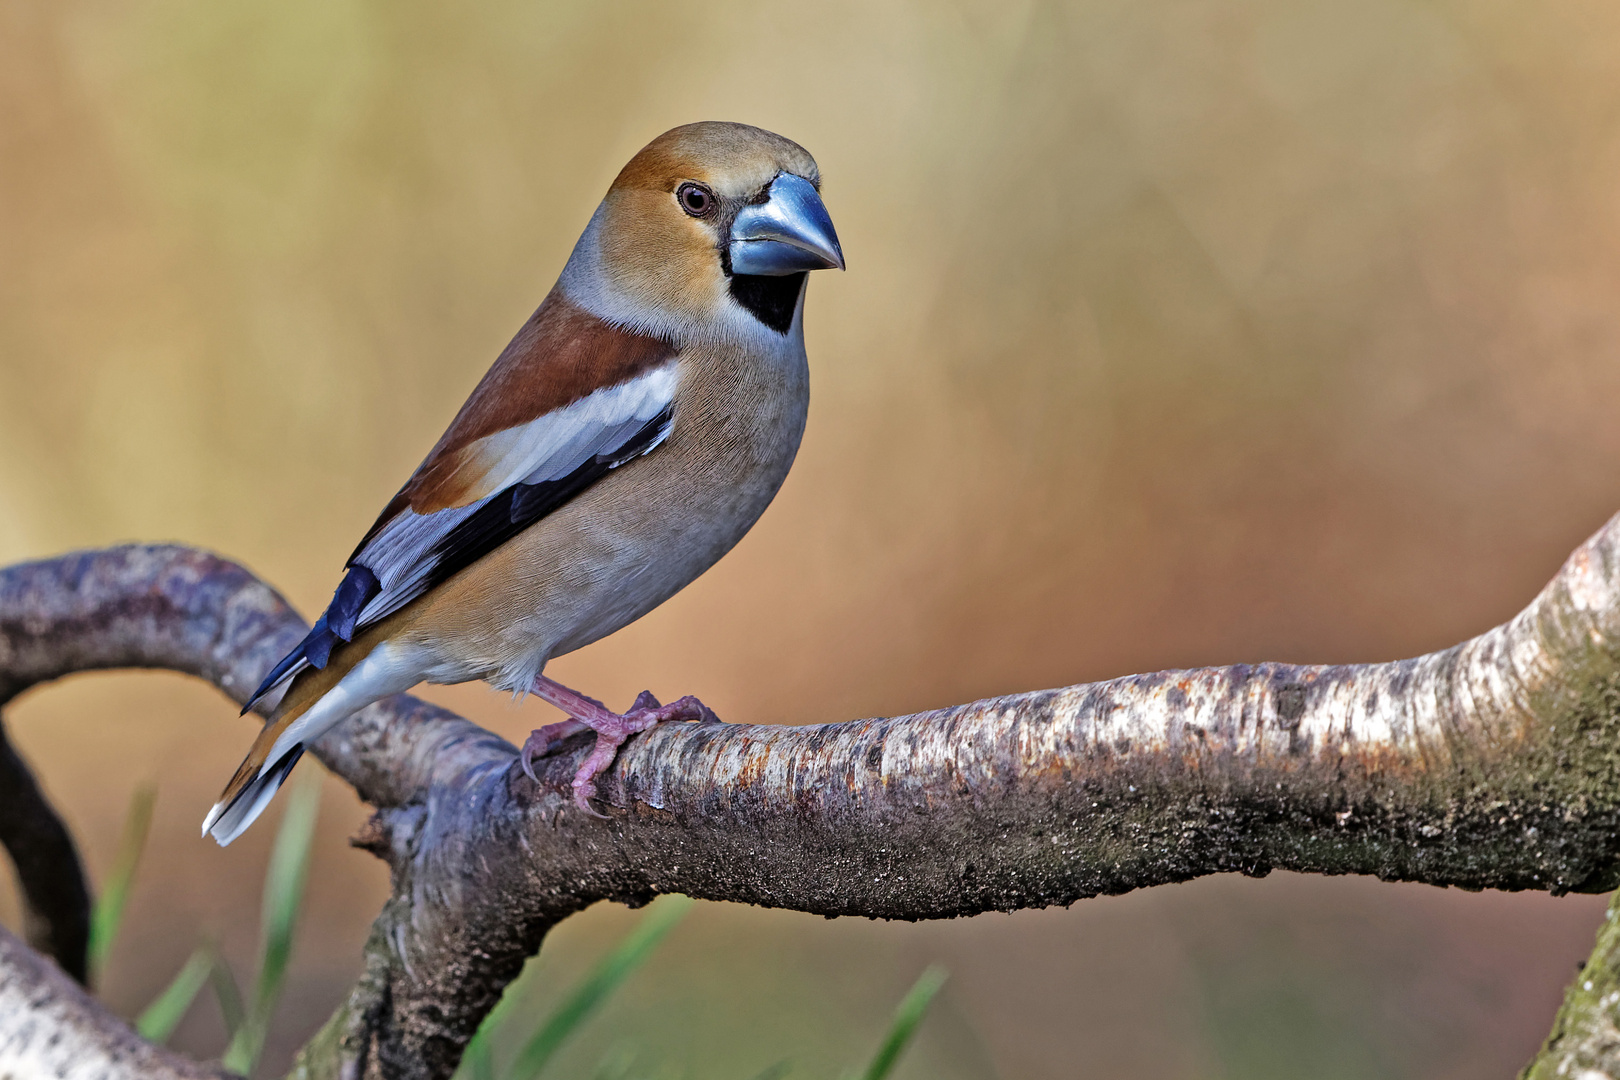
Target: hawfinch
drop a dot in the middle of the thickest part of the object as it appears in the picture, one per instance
(632, 432)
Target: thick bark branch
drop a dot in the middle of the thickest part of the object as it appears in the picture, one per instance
(180, 609)
(56, 900)
(1493, 764)
(49, 1027)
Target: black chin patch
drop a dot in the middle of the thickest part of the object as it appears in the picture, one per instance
(770, 299)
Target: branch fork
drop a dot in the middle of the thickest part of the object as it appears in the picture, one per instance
(1492, 764)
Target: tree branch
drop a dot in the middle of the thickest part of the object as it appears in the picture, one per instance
(1489, 765)
(1585, 1039)
(55, 897)
(49, 1027)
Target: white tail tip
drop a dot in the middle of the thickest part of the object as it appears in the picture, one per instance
(228, 820)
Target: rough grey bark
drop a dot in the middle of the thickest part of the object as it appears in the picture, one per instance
(49, 1027)
(1493, 764)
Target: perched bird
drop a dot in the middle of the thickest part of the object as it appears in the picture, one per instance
(631, 433)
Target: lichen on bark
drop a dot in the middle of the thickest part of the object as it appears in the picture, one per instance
(1585, 1040)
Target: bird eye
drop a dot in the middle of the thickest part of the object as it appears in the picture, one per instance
(695, 199)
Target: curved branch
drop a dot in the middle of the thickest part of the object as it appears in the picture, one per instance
(51, 1027)
(56, 898)
(1491, 764)
(179, 609)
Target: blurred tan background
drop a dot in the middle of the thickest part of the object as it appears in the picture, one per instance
(1174, 333)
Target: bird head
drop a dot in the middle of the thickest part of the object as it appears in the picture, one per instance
(710, 224)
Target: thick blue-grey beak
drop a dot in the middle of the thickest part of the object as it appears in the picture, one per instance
(788, 232)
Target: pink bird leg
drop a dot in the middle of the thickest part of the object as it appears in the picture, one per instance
(611, 728)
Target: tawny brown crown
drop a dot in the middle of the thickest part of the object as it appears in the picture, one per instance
(669, 263)
(731, 158)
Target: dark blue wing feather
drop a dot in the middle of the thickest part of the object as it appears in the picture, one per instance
(336, 624)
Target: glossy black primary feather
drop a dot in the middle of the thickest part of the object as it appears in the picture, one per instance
(521, 505)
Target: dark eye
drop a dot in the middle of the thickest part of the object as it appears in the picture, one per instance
(695, 199)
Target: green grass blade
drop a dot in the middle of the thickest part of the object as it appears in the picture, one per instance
(775, 1071)
(598, 983)
(478, 1060)
(109, 910)
(228, 995)
(478, 1063)
(278, 917)
(160, 1018)
(907, 1016)
(616, 1064)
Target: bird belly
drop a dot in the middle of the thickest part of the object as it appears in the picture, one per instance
(625, 545)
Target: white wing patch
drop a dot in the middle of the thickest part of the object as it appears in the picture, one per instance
(404, 553)
(552, 446)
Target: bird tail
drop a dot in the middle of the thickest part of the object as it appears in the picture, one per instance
(279, 746)
(254, 788)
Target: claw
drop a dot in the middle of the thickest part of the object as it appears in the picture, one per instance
(541, 740)
(612, 729)
(689, 709)
(584, 792)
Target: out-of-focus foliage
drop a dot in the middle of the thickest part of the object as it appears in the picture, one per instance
(542, 1040)
(910, 1012)
(159, 1019)
(538, 1038)
(107, 915)
(284, 879)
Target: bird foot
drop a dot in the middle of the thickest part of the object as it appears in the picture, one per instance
(612, 729)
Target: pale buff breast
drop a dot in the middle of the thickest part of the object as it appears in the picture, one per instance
(636, 537)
